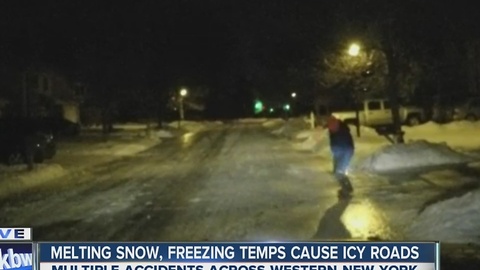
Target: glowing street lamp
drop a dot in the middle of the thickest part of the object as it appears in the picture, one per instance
(354, 49)
(183, 93)
(294, 95)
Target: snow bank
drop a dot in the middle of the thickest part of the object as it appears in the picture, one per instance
(311, 140)
(16, 178)
(131, 126)
(460, 134)
(213, 124)
(412, 155)
(164, 134)
(273, 123)
(110, 148)
(252, 120)
(194, 126)
(128, 150)
(456, 220)
(291, 127)
(189, 126)
(121, 126)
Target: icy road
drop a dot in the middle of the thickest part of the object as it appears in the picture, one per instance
(232, 183)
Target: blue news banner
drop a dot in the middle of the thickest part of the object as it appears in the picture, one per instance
(238, 256)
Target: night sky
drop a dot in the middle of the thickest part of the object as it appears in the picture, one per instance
(231, 47)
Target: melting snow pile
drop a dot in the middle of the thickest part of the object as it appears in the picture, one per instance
(412, 155)
(456, 220)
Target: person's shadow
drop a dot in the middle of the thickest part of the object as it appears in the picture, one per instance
(331, 226)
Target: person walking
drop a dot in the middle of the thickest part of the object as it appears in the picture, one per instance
(342, 148)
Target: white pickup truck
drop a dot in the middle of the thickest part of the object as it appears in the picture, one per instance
(377, 112)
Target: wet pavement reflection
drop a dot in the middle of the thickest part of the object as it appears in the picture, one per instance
(365, 221)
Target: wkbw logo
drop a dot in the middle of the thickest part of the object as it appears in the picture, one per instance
(16, 256)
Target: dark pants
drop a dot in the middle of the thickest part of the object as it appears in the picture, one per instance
(341, 159)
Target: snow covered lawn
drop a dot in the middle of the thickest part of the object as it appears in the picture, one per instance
(96, 146)
(458, 135)
(16, 178)
(73, 156)
(76, 155)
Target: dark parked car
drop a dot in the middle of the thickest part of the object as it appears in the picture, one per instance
(21, 139)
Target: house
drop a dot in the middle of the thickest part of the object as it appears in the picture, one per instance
(47, 93)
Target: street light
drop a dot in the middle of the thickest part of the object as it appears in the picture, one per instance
(294, 95)
(183, 93)
(354, 49)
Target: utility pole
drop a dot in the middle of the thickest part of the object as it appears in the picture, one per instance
(183, 93)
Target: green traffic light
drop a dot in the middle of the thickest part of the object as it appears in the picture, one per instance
(258, 106)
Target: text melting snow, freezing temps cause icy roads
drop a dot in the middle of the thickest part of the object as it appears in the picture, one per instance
(238, 256)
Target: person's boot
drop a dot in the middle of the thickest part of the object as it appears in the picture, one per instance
(344, 182)
(344, 194)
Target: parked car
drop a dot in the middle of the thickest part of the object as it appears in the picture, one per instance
(23, 138)
(469, 110)
(377, 112)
